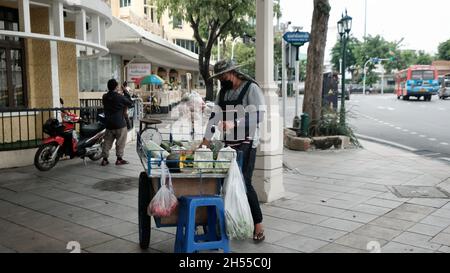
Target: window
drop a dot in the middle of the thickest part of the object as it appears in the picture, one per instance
(177, 22)
(145, 10)
(125, 3)
(187, 44)
(422, 75)
(152, 16)
(12, 79)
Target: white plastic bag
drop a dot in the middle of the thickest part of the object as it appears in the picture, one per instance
(164, 202)
(238, 217)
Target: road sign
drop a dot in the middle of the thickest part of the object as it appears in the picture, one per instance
(296, 38)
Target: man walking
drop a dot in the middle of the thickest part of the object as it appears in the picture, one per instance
(114, 105)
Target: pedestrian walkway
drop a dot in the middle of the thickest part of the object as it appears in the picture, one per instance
(335, 201)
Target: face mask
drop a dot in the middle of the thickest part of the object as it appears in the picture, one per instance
(226, 84)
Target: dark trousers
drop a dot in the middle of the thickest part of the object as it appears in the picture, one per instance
(248, 155)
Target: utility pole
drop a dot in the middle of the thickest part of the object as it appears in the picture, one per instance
(365, 19)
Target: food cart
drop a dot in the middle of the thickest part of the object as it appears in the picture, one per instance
(194, 180)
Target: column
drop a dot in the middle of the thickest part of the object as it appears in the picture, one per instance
(24, 16)
(268, 176)
(58, 18)
(53, 24)
(81, 25)
(95, 21)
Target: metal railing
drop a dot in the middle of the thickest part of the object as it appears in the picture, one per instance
(23, 128)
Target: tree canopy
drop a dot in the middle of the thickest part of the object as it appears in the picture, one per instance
(359, 53)
(444, 50)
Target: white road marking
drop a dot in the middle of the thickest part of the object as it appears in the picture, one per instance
(445, 158)
(413, 133)
(444, 143)
(405, 130)
(432, 139)
(391, 125)
(391, 109)
(395, 144)
(423, 136)
(398, 128)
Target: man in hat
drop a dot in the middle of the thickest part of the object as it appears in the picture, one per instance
(239, 110)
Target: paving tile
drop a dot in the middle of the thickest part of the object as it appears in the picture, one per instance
(383, 203)
(415, 208)
(418, 240)
(119, 229)
(358, 241)
(301, 243)
(356, 216)
(445, 213)
(394, 247)
(377, 232)
(156, 236)
(322, 233)
(405, 215)
(425, 229)
(441, 238)
(283, 224)
(392, 223)
(4, 249)
(339, 224)
(264, 248)
(303, 217)
(273, 235)
(336, 248)
(430, 202)
(436, 221)
(115, 246)
(370, 209)
(444, 249)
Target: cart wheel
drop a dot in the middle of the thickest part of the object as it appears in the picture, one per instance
(144, 219)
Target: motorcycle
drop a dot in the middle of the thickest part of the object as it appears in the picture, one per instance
(64, 140)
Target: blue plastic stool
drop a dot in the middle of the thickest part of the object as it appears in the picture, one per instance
(186, 240)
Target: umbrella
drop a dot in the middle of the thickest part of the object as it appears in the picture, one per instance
(151, 79)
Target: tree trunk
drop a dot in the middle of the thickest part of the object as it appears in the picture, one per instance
(203, 65)
(312, 103)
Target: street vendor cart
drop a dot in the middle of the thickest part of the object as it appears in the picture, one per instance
(188, 178)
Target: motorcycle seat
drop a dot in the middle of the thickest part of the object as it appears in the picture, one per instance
(91, 129)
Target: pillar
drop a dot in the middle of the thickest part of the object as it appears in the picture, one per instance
(268, 176)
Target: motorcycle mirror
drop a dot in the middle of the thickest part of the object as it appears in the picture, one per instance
(61, 101)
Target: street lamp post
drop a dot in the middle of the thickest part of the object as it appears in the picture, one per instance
(344, 27)
(284, 27)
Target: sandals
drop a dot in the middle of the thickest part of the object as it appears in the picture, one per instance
(259, 237)
(121, 162)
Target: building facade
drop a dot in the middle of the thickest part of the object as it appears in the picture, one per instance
(40, 42)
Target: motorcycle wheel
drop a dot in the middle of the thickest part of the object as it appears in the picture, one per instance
(98, 155)
(43, 158)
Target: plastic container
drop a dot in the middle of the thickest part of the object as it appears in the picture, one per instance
(203, 160)
(224, 158)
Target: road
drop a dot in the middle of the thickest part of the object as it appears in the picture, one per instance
(419, 126)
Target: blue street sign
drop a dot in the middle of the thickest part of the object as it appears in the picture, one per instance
(296, 37)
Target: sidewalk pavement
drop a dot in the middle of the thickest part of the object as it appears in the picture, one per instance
(335, 201)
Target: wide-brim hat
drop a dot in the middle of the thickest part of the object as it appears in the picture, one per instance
(224, 66)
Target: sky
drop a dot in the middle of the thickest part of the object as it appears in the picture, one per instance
(422, 24)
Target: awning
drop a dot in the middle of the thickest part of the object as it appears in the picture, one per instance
(130, 40)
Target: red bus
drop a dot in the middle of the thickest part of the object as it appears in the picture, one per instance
(417, 81)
